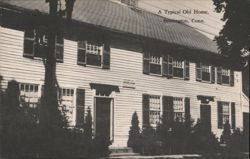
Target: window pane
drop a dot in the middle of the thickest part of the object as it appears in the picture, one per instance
(155, 69)
(93, 59)
(225, 79)
(178, 72)
(205, 76)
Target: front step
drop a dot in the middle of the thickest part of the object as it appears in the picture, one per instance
(122, 151)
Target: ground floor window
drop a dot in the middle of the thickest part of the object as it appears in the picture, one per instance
(226, 113)
(178, 108)
(29, 94)
(66, 100)
(154, 110)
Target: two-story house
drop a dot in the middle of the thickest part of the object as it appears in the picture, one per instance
(115, 60)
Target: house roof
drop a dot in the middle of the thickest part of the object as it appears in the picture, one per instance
(116, 17)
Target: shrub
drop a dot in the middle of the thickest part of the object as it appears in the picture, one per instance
(149, 141)
(203, 140)
(134, 133)
(22, 136)
(225, 137)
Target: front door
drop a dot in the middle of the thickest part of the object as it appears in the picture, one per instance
(206, 116)
(103, 108)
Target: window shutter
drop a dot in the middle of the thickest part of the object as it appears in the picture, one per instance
(219, 75)
(29, 43)
(198, 71)
(170, 66)
(212, 74)
(106, 56)
(145, 105)
(59, 48)
(81, 53)
(187, 110)
(168, 110)
(146, 58)
(80, 103)
(233, 115)
(220, 117)
(231, 78)
(186, 70)
(165, 66)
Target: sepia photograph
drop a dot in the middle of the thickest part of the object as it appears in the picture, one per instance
(124, 79)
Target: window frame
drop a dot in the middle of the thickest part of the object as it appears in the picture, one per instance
(182, 112)
(36, 45)
(227, 116)
(203, 69)
(155, 111)
(24, 94)
(64, 94)
(83, 53)
(223, 70)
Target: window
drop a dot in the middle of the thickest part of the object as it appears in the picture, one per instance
(178, 107)
(205, 72)
(94, 54)
(66, 99)
(224, 114)
(29, 95)
(165, 66)
(36, 45)
(154, 110)
(155, 64)
(178, 68)
(225, 76)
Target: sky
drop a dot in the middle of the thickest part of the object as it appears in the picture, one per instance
(198, 14)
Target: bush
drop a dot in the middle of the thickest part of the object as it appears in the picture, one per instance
(203, 140)
(225, 137)
(22, 136)
(150, 143)
(134, 133)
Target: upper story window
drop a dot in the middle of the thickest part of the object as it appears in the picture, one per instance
(226, 113)
(36, 45)
(165, 65)
(205, 73)
(155, 65)
(94, 54)
(178, 68)
(225, 76)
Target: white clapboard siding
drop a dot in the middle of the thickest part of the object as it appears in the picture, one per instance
(125, 65)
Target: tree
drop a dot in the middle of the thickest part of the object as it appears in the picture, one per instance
(134, 132)
(233, 39)
(50, 115)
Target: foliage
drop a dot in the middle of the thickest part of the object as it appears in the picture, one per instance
(233, 39)
(203, 140)
(225, 137)
(23, 136)
(149, 143)
(134, 133)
